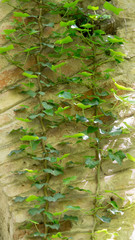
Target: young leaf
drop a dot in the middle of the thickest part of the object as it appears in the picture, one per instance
(67, 39)
(29, 138)
(28, 75)
(9, 31)
(85, 74)
(130, 157)
(23, 119)
(71, 4)
(31, 198)
(93, 8)
(82, 106)
(122, 87)
(66, 24)
(54, 67)
(20, 14)
(75, 135)
(30, 49)
(64, 156)
(110, 7)
(69, 179)
(61, 109)
(6, 49)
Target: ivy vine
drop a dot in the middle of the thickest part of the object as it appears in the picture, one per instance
(82, 100)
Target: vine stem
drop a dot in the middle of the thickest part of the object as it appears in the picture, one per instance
(97, 154)
(41, 108)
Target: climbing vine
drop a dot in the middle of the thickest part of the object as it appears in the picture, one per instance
(86, 37)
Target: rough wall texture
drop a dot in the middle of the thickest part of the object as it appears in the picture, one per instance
(119, 179)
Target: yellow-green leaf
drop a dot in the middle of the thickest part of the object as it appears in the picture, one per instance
(130, 157)
(122, 87)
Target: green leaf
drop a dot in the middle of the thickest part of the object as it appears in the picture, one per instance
(58, 235)
(30, 93)
(69, 179)
(93, 102)
(73, 207)
(54, 226)
(85, 74)
(54, 172)
(30, 49)
(71, 218)
(75, 135)
(54, 67)
(19, 199)
(115, 131)
(90, 162)
(31, 198)
(99, 32)
(33, 116)
(23, 119)
(61, 109)
(56, 197)
(93, 8)
(20, 14)
(110, 7)
(122, 87)
(35, 211)
(39, 185)
(47, 106)
(66, 24)
(130, 157)
(49, 215)
(82, 106)
(28, 75)
(6, 49)
(91, 129)
(29, 138)
(116, 39)
(71, 4)
(87, 25)
(49, 112)
(114, 204)
(118, 156)
(66, 95)
(81, 118)
(65, 40)
(15, 152)
(64, 156)
(9, 31)
(104, 219)
(38, 234)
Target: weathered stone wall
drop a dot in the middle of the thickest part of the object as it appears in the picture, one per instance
(119, 179)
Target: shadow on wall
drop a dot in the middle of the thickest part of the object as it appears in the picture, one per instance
(6, 229)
